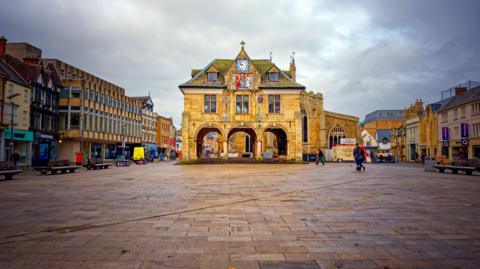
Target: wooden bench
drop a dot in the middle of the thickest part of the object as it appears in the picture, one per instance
(97, 166)
(119, 163)
(475, 163)
(54, 170)
(455, 168)
(10, 173)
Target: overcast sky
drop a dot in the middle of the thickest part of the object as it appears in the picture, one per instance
(362, 55)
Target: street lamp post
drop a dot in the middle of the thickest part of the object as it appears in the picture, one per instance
(10, 97)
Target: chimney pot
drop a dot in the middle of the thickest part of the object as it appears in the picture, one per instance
(460, 90)
(3, 45)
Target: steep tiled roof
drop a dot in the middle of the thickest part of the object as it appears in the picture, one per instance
(199, 78)
(468, 96)
(11, 74)
(29, 72)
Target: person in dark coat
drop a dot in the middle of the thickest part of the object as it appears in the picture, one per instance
(320, 157)
(359, 156)
(15, 159)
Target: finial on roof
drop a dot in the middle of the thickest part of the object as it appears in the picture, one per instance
(271, 56)
(148, 93)
(293, 57)
(243, 44)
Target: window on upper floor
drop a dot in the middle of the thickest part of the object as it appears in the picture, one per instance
(212, 76)
(273, 76)
(10, 89)
(210, 104)
(462, 112)
(455, 114)
(274, 104)
(445, 116)
(476, 129)
(476, 108)
(242, 104)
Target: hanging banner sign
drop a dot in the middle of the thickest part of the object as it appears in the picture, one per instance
(445, 134)
(464, 129)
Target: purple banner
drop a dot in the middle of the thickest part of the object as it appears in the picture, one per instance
(464, 128)
(445, 134)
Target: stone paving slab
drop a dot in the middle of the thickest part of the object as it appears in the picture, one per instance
(243, 216)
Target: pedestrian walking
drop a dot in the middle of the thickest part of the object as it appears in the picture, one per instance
(15, 159)
(320, 157)
(359, 155)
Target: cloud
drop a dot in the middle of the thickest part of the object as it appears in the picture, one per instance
(363, 55)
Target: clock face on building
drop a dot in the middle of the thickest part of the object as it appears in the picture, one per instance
(242, 65)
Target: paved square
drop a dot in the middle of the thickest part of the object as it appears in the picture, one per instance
(245, 216)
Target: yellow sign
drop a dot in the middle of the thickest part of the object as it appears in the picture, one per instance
(343, 153)
(138, 153)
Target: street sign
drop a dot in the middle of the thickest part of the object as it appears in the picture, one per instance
(348, 141)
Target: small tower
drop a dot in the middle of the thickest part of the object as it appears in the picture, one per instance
(293, 69)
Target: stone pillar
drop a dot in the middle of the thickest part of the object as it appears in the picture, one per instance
(259, 148)
(225, 148)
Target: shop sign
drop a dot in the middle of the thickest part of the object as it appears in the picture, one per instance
(45, 136)
(348, 141)
(19, 135)
(464, 142)
(445, 144)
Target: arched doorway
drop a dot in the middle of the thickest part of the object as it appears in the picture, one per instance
(209, 143)
(241, 142)
(275, 141)
(335, 134)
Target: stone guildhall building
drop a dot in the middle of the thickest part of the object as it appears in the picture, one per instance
(256, 110)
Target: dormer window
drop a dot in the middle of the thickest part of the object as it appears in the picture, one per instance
(273, 76)
(212, 76)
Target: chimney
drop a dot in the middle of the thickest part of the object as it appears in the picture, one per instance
(31, 60)
(3, 45)
(460, 90)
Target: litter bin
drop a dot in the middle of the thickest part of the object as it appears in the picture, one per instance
(429, 163)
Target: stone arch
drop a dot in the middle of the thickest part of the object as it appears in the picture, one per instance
(335, 134)
(209, 125)
(251, 137)
(281, 139)
(202, 133)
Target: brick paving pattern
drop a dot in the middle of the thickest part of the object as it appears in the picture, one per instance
(243, 216)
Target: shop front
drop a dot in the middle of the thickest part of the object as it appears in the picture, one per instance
(22, 144)
(151, 151)
(45, 148)
(96, 151)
